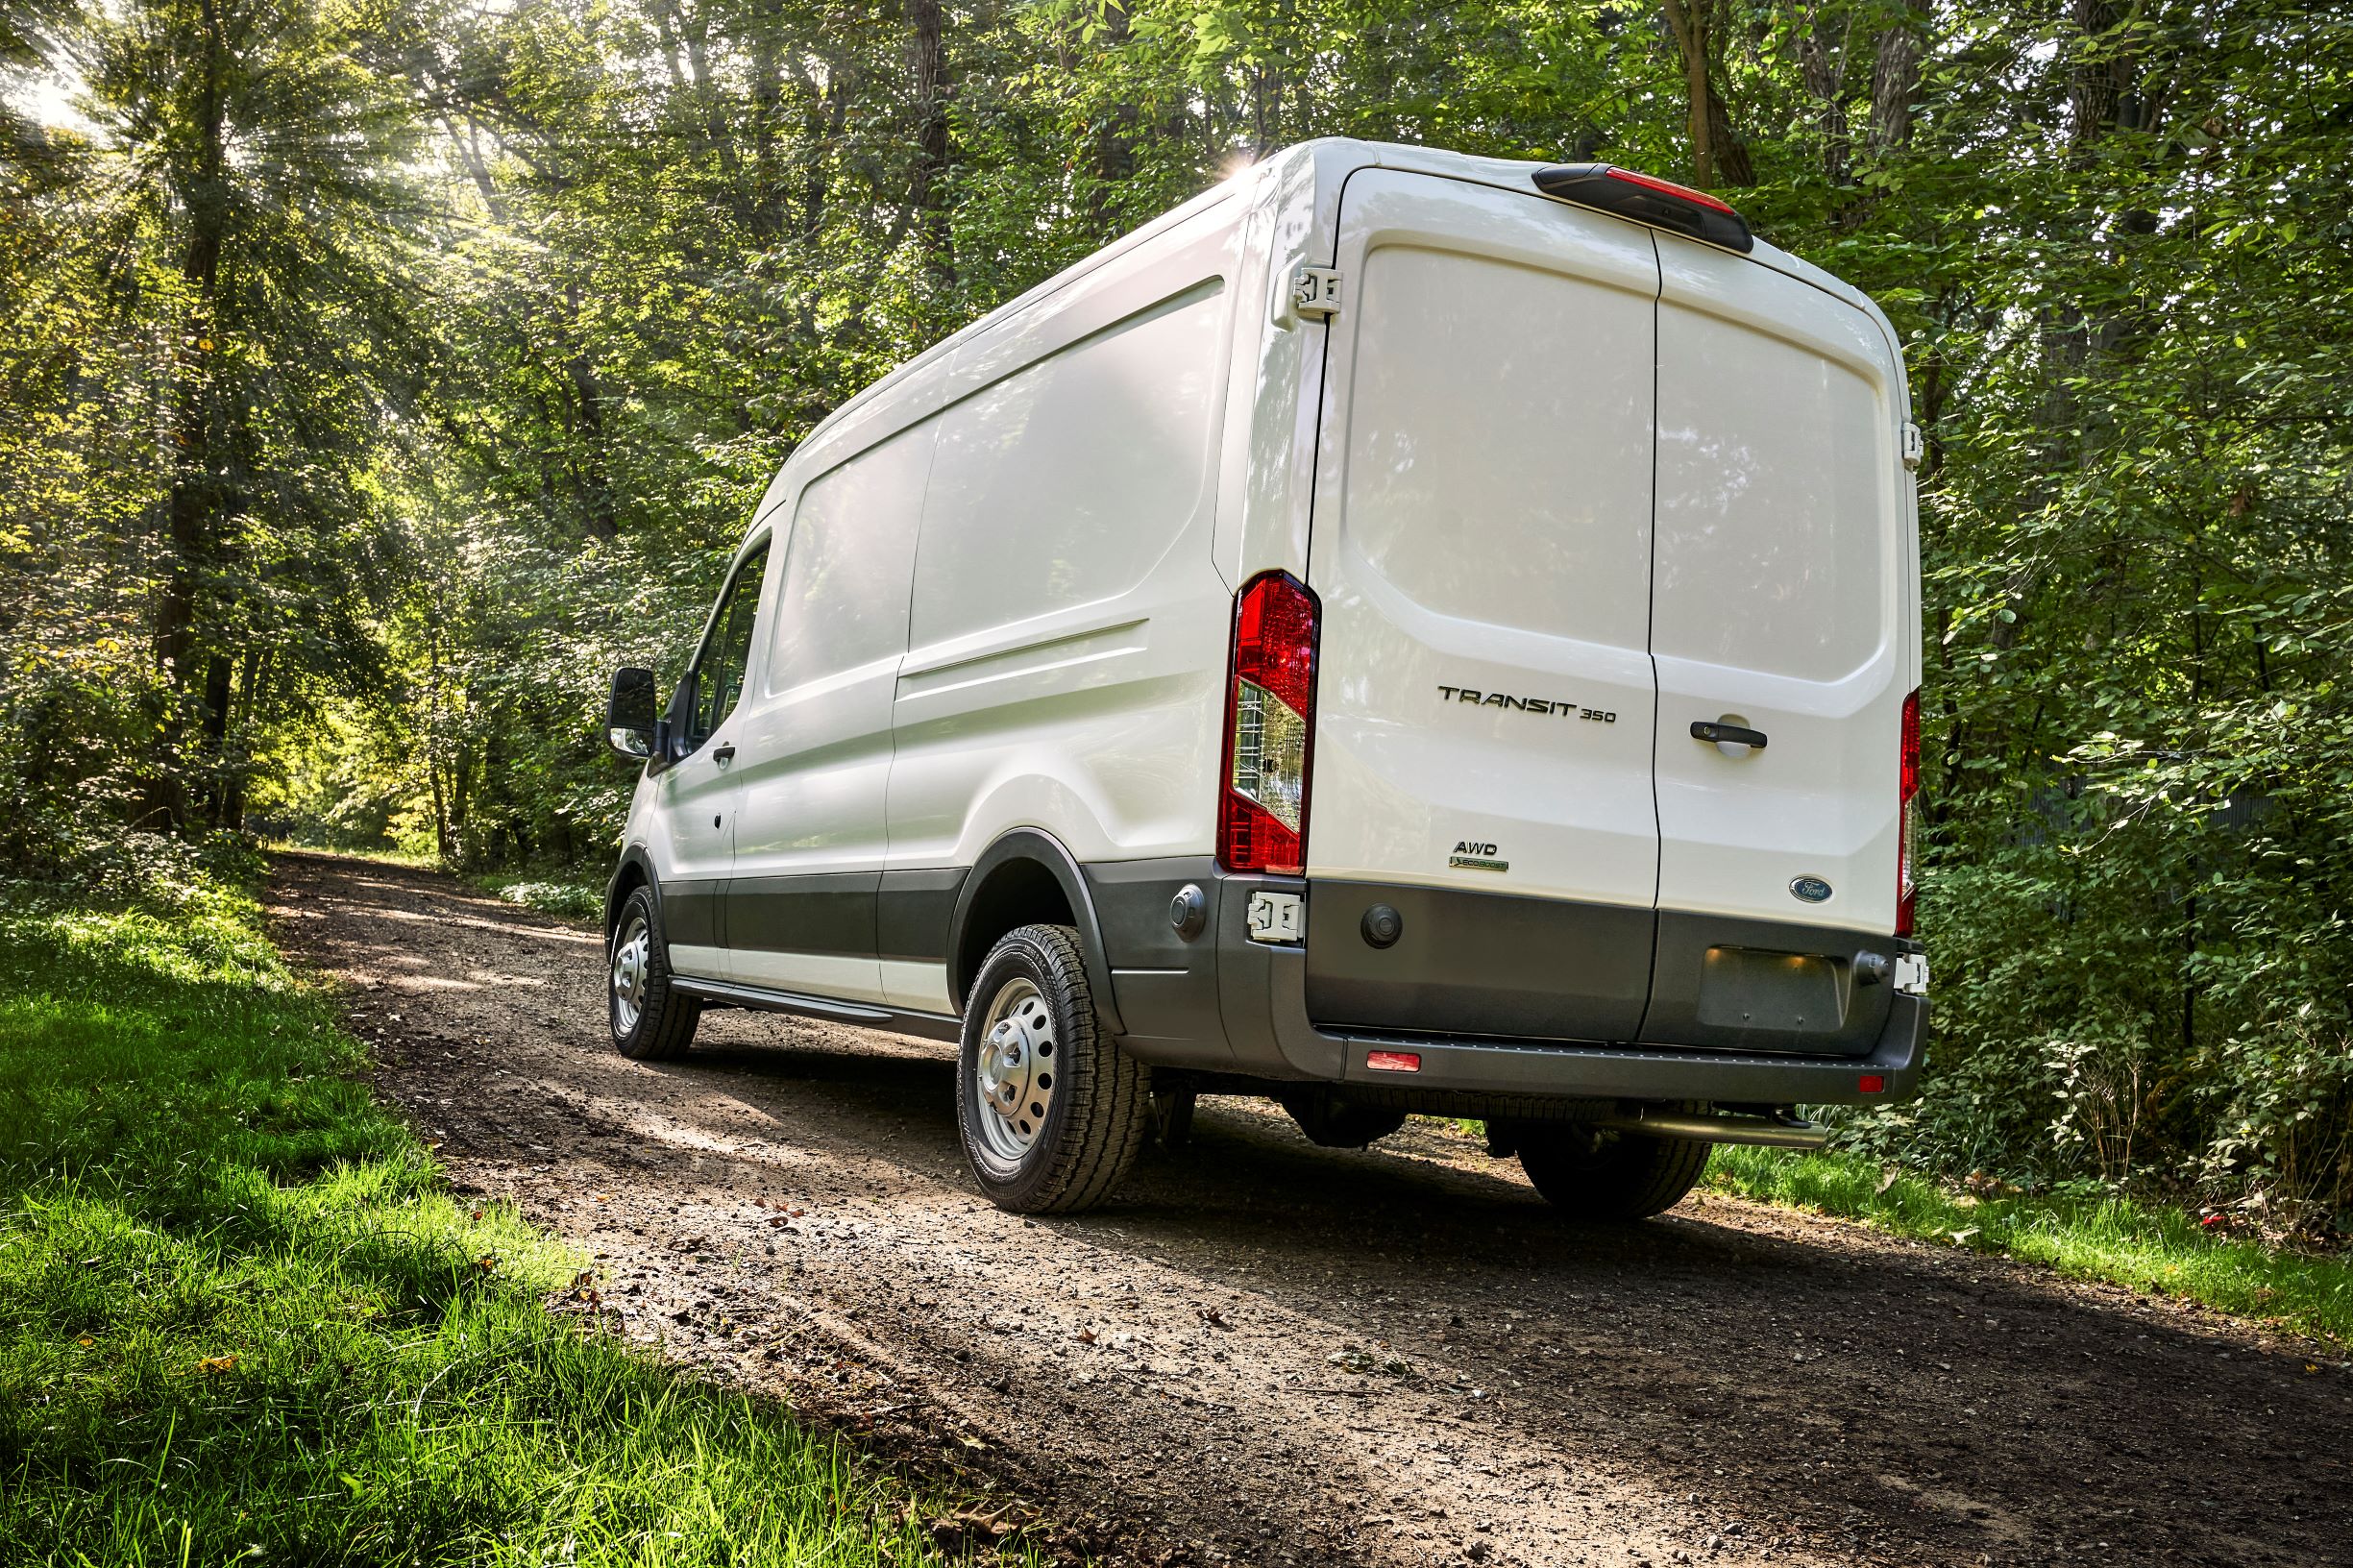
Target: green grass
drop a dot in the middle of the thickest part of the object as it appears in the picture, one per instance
(566, 900)
(241, 1319)
(2146, 1246)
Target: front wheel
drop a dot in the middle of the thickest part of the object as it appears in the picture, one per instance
(1052, 1113)
(650, 1021)
(1591, 1174)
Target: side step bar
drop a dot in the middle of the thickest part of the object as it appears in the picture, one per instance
(1777, 1132)
(759, 998)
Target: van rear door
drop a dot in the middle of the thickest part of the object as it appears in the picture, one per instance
(1781, 603)
(1481, 544)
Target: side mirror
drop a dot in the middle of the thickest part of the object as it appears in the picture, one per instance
(629, 714)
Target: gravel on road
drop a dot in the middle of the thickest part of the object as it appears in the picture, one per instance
(1264, 1352)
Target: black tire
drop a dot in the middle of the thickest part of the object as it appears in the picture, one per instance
(663, 1023)
(1093, 1101)
(1610, 1177)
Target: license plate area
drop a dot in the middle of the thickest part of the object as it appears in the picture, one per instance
(1746, 990)
(1721, 982)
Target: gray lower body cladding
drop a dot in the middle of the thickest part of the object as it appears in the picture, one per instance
(1501, 996)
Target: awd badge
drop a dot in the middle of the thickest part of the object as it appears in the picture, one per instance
(1477, 857)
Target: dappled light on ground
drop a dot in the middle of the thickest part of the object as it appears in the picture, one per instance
(1264, 1351)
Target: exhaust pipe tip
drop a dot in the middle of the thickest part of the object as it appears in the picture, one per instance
(1768, 1132)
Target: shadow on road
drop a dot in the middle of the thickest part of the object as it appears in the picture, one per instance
(1409, 1326)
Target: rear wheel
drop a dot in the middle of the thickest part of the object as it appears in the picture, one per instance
(1588, 1173)
(1051, 1112)
(650, 1021)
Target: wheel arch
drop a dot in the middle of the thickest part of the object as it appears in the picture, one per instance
(635, 870)
(1026, 877)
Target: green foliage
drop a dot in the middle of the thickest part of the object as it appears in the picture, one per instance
(517, 310)
(568, 900)
(240, 1316)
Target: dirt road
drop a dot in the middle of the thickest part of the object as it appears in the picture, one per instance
(1265, 1352)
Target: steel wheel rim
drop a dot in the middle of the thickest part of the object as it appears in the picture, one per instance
(632, 955)
(1014, 1071)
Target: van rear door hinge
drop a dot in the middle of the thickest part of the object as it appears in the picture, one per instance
(1315, 292)
(1914, 446)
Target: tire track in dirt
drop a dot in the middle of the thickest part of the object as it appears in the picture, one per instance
(1265, 1352)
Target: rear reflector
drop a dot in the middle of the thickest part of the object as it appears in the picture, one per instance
(1662, 203)
(1870, 1083)
(1394, 1060)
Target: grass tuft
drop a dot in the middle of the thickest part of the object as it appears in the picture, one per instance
(566, 900)
(240, 1318)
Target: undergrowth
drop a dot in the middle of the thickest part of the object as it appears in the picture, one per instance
(566, 898)
(241, 1318)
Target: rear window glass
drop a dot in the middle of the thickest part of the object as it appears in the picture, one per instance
(1774, 534)
(1499, 443)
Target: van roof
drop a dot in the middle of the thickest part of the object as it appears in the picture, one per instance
(1317, 169)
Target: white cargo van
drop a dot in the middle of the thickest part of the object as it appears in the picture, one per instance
(1402, 632)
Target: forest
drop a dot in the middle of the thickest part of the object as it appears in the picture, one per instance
(378, 375)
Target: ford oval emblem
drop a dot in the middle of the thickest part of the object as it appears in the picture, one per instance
(1812, 888)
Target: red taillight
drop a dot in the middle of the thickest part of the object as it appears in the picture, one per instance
(1869, 1083)
(1907, 827)
(1271, 722)
(1668, 187)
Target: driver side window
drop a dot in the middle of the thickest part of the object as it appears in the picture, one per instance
(719, 668)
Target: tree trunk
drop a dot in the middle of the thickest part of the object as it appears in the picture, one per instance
(1115, 142)
(589, 473)
(2094, 86)
(1265, 110)
(433, 758)
(927, 192)
(1688, 22)
(1895, 77)
(193, 505)
(215, 731)
(240, 723)
(1717, 155)
(768, 201)
(1827, 82)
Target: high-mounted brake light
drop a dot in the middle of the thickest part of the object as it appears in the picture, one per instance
(1668, 187)
(1270, 722)
(1907, 829)
(1662, 203)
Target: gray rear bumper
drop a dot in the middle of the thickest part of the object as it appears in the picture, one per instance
(1649, 1073)
(1221, 1003)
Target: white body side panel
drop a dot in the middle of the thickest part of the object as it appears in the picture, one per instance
(689, 811)
(814, 746)
(815, 729)
(689, 817)
(1068, 625)
(1483, 539)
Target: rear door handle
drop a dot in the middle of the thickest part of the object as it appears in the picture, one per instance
(726, 754)
(1702, 729)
